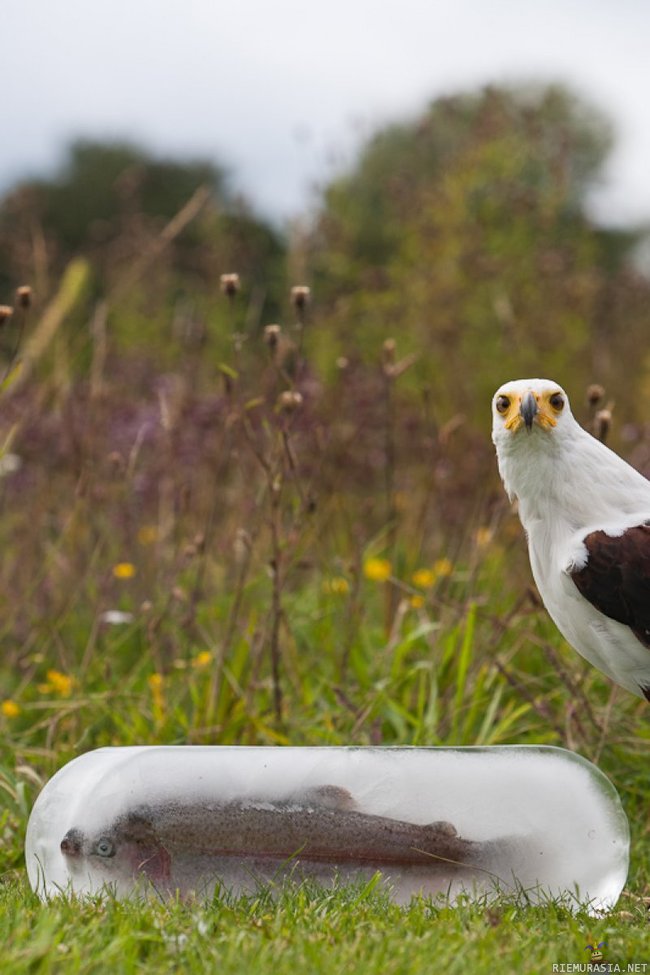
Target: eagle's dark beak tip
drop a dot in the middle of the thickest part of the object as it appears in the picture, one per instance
(528, 410)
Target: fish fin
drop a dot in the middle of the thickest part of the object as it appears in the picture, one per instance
(443, 828)
(155, 864)
(332, 797)
(147, 854)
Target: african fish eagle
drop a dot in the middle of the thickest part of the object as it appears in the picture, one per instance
(586, 514)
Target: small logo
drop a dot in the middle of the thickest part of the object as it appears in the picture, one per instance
(597, 951)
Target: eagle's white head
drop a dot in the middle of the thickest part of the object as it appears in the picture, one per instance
(551, 464)
(532, 427)
(526, 407)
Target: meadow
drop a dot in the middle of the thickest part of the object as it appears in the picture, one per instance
(234, 510)
(236, 552)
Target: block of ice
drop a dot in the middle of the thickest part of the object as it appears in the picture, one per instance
(185, 818)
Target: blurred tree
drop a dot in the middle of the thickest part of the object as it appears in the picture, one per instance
(465, 234)
(102, 185)
(110, 202)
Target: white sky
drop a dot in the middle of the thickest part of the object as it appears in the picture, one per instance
(281, 91)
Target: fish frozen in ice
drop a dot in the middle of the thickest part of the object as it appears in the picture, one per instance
(169, 842)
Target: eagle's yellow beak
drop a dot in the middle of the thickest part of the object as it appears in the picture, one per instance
(526, 410)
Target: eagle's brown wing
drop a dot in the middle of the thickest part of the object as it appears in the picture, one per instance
(616, 577)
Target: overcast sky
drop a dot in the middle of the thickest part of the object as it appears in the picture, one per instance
(282, 91)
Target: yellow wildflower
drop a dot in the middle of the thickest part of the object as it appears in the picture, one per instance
(377, 570)
(416, 602)
(443, 567)
(483, 536)
(59, 683)
(338, 585)
(147, 534)
(10, 709)
(202, 660)
(423, 578)
(124, 570)
(401, 500)
(156, 686)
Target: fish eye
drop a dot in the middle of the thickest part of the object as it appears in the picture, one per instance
(502, 404)
(557, 401)
(104, 847)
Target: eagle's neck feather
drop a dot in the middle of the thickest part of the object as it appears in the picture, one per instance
(569, 480)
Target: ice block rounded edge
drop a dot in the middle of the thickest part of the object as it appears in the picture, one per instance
(512, 818)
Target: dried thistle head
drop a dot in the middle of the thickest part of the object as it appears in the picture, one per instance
(24, 296)
(595, 393)
(6, 311)
(602, 424)
(230, 284)
(190, 551)
(300, 297)
(242, 545)
(289, 401)
(392, 369)
(116, 460)
(272, 336)
(388, 351)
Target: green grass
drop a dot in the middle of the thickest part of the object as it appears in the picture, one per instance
(256, 617)
(432, 681)
(306, 930)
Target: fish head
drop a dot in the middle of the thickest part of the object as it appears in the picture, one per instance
(128, 848)
(72, 843)
(99, 851)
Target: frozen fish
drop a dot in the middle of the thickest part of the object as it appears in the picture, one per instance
(193, 820)
(322, 826)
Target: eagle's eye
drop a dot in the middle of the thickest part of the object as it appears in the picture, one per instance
(502, 404)
(557, 401)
